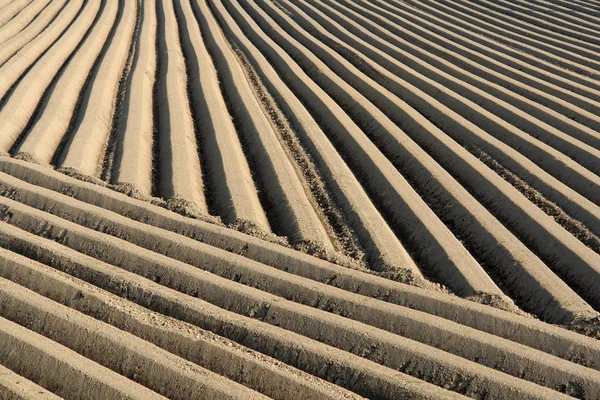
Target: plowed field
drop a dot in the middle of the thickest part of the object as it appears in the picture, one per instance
(299, 199)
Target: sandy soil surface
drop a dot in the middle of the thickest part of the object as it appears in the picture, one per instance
(311, 199)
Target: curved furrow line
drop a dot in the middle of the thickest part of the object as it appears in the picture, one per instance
(110, 149)
(14, 386)
(508, 48)
(454, 157)
(434, 233)
(4, 3)
(585, 6)
(120, 351)
(345, 334)
(245, 324)
(348, 44)
(52, 122)
(553, 17)
(377, 238)
(576, 107)
(210, 351)
(545, 93)
(404, 206)
(60, 369)
(559, 25)
(181, 179)
(337, 115)
(231, 187)
(97, 303)
(564, 141)
(575, 8)
(43, 21)
(18, 65)
(558, 11)
(286, 201)
(21, 103)
(517, 63)
(24, 18)
(557, 115)
(583, 263)
(133, 155)
(520, 38)
(10, 11)
(527, 331)
(347, 249)
(313, 199)
(531, 25)
(486, 349)
(86, 146)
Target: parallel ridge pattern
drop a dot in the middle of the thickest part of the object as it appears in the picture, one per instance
(451, 141)
(104, 296)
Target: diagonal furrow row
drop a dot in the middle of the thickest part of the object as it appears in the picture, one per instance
(54, 118)
(543, 46)
(539, 120)
(8, 12)
(258, 305)
(312, 199)
(459, 127)
(378, 124)
(468, 34)
(18, 23)
(23, 99)
(90, 134)
(31, 32)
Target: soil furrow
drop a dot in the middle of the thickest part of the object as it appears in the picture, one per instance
(24, 18)
(459, 127)
(210, 351)
(4, 3)
(285, 198)
(61, 370)
(551, 14)
(561, 131)
(535, 60)
(520, 67)
(312, 199)
(14, 387)
(181, 180)
(546, 93)
(577, 272)
(484, 349)
(85, 149)
(537, 45)
(522, 330)
(133, 156)
(377, 124)
(231, 187)
(18, 64)
(42, 22)
(390, 350)
(108, 163)
(404, 203)
(25, 97)
(378, 240)
(366, 377)
(521, 140)
(129, 356)
(8, 12)
(54, 119)
(341, 236)
(541, 31)
(559, 26)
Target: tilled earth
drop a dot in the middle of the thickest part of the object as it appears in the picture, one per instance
(299, 199)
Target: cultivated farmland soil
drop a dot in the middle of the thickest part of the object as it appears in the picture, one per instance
(299, 199)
